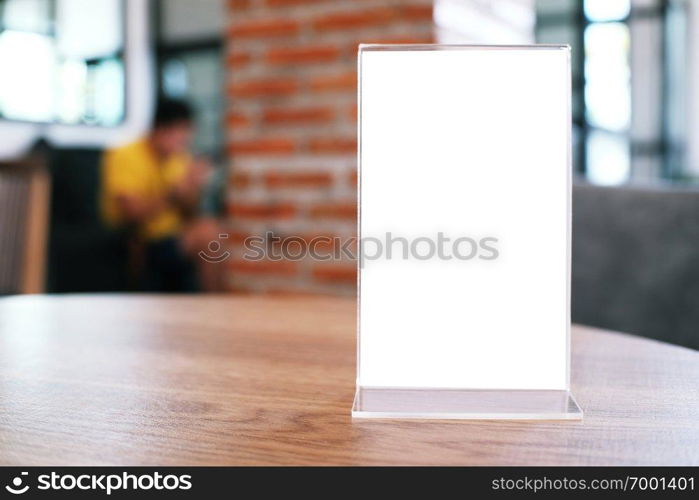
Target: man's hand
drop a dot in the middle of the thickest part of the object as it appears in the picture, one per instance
(185, 195)
(199, 172)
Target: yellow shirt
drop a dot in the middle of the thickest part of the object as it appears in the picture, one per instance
(134, 170)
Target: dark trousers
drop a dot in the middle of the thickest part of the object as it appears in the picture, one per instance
(168, 269)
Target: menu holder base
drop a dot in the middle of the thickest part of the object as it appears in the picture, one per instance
(465, 404)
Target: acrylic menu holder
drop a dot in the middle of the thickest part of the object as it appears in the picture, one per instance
(471, 143)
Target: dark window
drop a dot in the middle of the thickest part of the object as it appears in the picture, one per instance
(191, 67)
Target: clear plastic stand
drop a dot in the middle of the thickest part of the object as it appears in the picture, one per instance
(465, 404)
(471, 144)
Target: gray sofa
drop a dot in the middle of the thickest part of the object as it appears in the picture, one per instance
(636, 261)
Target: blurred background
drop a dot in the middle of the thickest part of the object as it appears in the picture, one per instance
(273, 86)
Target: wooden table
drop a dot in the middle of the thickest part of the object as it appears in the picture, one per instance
(150, 380)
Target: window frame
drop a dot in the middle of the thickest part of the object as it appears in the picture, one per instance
(670, 151)
(119, 55)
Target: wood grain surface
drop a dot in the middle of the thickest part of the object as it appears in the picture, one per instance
(223, 380)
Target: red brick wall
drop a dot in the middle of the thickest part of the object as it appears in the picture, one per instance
(291, 123)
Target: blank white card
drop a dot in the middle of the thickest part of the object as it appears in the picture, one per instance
(471, 144)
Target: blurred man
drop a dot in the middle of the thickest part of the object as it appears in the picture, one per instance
(152, 186)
